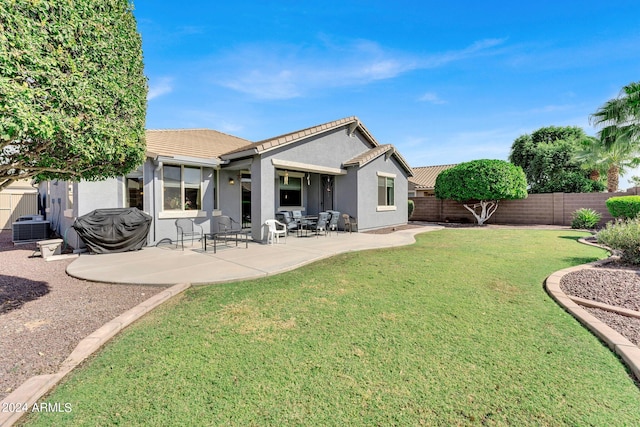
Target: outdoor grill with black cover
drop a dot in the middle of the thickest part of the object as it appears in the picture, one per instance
(113, 230)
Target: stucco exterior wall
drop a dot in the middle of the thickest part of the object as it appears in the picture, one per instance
(369, 214)
(87, 196)
(355, 192)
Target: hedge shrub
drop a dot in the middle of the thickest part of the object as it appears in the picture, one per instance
(624, 206)
(410, 208)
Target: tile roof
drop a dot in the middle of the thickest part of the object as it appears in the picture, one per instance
(369, 155)
(293, 137)
(208, 144)
(424, 177)
(289, 138)
(200, 143)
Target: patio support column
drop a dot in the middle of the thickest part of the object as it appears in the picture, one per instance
(262, 196)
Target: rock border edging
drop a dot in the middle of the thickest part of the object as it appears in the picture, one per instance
(36, 387)
(629, 352)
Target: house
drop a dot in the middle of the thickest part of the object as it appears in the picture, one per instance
(202, 174)
(423, 181)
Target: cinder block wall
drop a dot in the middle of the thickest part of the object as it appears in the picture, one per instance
(550, 208)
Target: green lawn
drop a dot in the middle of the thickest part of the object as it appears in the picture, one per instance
(454, 330)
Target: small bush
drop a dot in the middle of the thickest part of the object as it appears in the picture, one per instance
(624, 206)
(623, 236)
(411, 207)
(585, 218)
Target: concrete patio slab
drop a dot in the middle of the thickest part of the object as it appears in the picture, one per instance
(167, 265)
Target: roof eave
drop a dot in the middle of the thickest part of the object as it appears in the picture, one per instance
(188, 161)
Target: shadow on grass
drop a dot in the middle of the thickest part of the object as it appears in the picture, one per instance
(16, 291)
(574, 238)
(580, 260)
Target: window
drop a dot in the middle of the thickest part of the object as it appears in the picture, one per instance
(69, 195)
(291, 192)
(134, 189)
(182, 187)
(385, 191)
(214, 183)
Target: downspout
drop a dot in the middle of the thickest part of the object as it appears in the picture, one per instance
(153, 207)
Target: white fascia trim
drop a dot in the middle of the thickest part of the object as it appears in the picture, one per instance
(307, 167)
(386, 174)
(188, 161)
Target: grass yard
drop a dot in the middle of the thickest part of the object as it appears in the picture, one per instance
(454, 330)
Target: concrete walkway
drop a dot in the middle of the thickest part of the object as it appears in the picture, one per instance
(168, 265)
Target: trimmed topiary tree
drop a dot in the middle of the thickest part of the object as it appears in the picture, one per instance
(481, 184)
(72, 90)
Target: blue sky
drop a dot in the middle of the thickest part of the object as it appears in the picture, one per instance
(445, 82)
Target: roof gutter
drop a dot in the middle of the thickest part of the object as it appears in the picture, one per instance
(186, 161)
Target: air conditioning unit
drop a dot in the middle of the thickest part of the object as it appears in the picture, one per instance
(30, 231)
(30, 218)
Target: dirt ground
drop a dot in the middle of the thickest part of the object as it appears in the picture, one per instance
(44, 313)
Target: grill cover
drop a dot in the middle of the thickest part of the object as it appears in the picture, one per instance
(113, 230)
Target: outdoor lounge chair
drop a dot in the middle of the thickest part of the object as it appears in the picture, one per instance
(349, 222)
(333, 221)
(227, 224)
(322, 224)
(287, 218)
(187, 227)
(276, 229)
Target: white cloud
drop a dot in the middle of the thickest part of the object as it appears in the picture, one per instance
(432, 98)
(160, 87)
(278, 71)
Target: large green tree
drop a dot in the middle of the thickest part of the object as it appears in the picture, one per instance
(72, 90)
(620, 117)
(547, 157)
(481, 184)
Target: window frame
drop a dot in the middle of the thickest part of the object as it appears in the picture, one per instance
(135, 175)
(280, 180)
(389, 191)
(69, 198)
(181, 211)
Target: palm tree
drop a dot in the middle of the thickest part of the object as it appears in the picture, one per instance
(620, 117)
(612, 159)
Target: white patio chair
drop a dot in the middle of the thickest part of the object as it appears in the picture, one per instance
(276, 229)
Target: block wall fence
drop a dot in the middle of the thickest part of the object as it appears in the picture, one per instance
(548, 209)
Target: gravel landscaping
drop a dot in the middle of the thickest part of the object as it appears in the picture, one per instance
(44, 313)
(609, 285)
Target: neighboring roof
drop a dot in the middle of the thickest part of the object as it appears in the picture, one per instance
(20, 186)
(198, 143)
(353, 122)
(424, 177)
